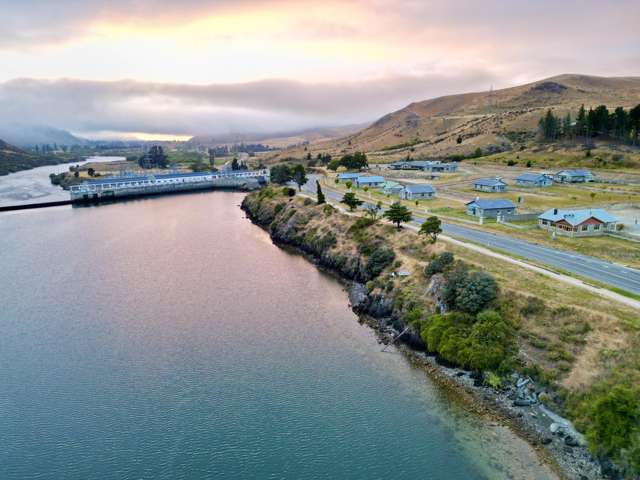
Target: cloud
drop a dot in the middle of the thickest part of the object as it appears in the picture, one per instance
(90, 107)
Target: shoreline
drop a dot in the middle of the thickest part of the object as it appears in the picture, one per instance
(568, 459)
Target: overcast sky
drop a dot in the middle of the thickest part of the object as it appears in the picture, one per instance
(176, 68)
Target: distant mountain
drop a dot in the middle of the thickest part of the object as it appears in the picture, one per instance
(458, 124)
(14, 159)
(30, 135)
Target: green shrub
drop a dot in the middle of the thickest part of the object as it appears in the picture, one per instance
(610, 419)
(477, 293)
(278, 208)
(439, 264)
(491, 342)
(533, 306)
(380, 259)
(361, 223)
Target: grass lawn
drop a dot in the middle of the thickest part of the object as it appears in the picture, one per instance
(560, 196)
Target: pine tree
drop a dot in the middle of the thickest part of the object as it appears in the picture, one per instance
(398, 214)
(581, 122)
(319, 194)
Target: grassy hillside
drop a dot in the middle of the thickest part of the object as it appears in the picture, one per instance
(14, 159)
(494, 120)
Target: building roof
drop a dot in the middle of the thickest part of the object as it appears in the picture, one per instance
(392, 184)
(576, 217)
(370, 179)
(348, 175)
(531, 177)
(142, 178)
(489, 182)
(492, 204)
(419, 188)
(575, 172)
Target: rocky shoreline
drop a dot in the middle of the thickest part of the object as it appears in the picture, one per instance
(516, 404)
(553, 437)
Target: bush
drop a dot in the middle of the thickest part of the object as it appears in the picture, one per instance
(361, 223)
(477, 293)
(613, 424)
(439, 264)
(491, 342)
(533, 306)
(307, 201)
(380, 259)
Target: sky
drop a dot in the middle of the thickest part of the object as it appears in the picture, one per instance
(167, 68)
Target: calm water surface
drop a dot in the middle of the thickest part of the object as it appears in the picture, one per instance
(167, 338)
(32, 186)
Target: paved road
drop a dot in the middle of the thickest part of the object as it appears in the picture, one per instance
(612, 274)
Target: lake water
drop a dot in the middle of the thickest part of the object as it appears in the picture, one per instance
(167, 338)
(34, 186)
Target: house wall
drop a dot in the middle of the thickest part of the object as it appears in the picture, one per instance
(417, 196)
(490, 213)
(589, 230)
(483, 188)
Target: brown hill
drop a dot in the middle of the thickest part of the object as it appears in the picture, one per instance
(458, 124)
(14, 159)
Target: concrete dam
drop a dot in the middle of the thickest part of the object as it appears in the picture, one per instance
(153, 184)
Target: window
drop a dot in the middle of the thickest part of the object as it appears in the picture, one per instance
(584, 228)
(596, 227)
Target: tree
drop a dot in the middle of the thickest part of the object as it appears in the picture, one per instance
(477, 153)
(549, 126)
(234, 164)
(634, 120)
(478, 292)
(620, 123)
(439, 264)
(581, 122)
(319, 194)
(299, 175)
(212, 158)
(333, 164)
(431, 228)
(356, 161)
(154, 158)
(398, 213)
(281, 174)
(351, 201)
(91, 172)
(348, 184)
(372, 210)
(614, 419)
(365, 189)
(491, 341)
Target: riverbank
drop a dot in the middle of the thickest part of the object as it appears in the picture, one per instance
(385, 295)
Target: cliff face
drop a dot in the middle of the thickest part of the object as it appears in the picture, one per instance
(356, 250)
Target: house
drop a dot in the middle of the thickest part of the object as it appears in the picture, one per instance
(447, 167)
(392, 188)
(418, 191)
(490, 185)
(534, 180)
(371, 181)
(413, 165)
(347, 176)
(490, 208)
(578, 223)
(573, 176)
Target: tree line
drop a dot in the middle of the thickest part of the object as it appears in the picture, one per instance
(620, 124)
